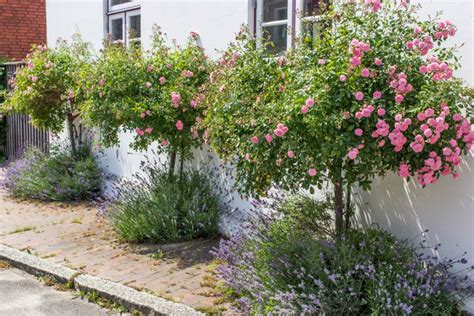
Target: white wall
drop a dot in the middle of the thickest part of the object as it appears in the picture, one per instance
(66, 17)
(445, 208)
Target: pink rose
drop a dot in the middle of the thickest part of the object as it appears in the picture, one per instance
(143, 115)
(175, 99)
(149, 130)
(377, 95)
(399, 98)
(148, 84)
(378, 62)
(162, 80)
(358, 132)
(268, 138)
(359, 96)
(254, 140)
(165, 142)
(179, 125)
(312, 172)
(343, 77)
(381, 112)
(365, 73)
(353, 153)
(101, 82)
(291, 154)
(309, 102)
(304, 109)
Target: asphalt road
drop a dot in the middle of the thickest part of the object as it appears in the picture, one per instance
(23, 295)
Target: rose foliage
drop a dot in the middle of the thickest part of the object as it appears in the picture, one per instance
(375, 93)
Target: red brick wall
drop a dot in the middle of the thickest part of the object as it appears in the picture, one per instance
(22, 23)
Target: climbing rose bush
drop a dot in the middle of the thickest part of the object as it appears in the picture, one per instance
(155, 94)
(375, 93)
(49, 88)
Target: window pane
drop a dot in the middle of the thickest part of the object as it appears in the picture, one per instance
(134, 28)
(315, 7)
(275, 10)
(117, 2)
(278, 36)
(117, 29)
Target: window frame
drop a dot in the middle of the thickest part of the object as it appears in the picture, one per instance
(123, 11)
(294, 22)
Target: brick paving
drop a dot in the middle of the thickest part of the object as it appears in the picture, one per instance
(75, 236)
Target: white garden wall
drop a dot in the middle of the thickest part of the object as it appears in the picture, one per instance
(447, 208)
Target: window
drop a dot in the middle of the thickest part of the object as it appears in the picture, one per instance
(277, 20)
(274, 23)
(124, 22)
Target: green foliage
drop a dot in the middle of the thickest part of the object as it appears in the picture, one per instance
(253, 92)
(49, 87)
(159, 208)
(133, 90)
(278, 266)
(58, 177)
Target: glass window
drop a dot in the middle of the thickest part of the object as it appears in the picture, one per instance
(116, 29)
(274, 24)
(275, 10)
(314, 7)
(117, 2)
(134, 28)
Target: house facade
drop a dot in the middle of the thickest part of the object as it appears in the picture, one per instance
(446, 209)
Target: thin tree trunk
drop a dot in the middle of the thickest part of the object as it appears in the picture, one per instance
(181, 167)
(172, 164)
(348, 213)
(70, 128)
(339, 205)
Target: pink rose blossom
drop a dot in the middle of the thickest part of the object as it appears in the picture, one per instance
(353, 153)
(165, 142)
(365, 73)
(358, 132)
(312, 172)
(309, 102)
(359, 96)
(346, 115)
(149, 130)
(268, 138)
(175, 99)
(179, 125)
(342, 77)
(381, 112)
(377, 95)
(254, 140)
(143, 115)
(304, 109)
(148, 84)
(193, 103)
(399, 98)
(102, 82)
(291, 153)
(378, 62)
(162, 80)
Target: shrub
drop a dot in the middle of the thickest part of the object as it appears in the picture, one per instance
(375, 93)
(158, 208)
(49, 88)
(58, 177)
(156, 94)
(277, 267)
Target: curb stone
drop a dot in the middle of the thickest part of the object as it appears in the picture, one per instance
(128, 297)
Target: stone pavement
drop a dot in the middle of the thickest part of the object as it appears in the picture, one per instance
(74, 235)
(23, 295)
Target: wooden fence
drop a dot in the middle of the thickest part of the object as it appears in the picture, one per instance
(20, 133)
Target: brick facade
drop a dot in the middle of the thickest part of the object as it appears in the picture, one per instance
(22, 23)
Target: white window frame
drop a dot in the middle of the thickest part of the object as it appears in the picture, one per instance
(123, 11)
(294, 22)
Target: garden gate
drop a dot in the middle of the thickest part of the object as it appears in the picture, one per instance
(20, 133)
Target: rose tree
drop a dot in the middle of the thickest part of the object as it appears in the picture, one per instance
(49, 87)
(375, 93)
(155, 94)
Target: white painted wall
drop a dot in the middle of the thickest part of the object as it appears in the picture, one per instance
(446, 208)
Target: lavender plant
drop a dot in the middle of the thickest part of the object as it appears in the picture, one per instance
(158, 207)
(61, 176)
(278, 267)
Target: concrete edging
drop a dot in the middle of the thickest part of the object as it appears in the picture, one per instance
(128, 297)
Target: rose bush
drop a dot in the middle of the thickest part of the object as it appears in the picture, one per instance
(155, 94)
(50, 88)
(375, 93)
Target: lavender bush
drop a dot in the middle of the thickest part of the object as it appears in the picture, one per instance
(158, 207)
(279, 267)
(60, 176)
